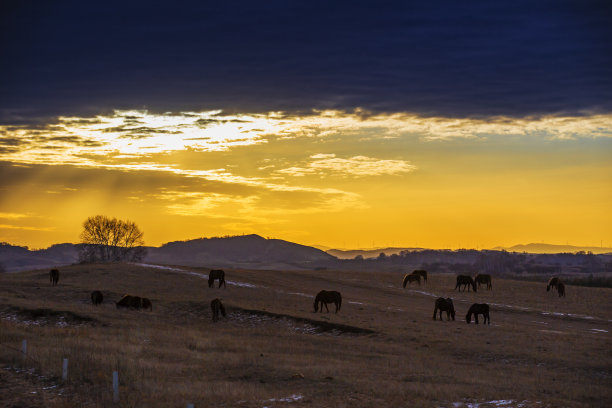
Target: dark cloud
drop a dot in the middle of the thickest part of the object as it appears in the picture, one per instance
(434, 58)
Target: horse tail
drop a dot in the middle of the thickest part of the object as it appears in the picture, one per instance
(405, 281)
(316, 304)
(339, 301)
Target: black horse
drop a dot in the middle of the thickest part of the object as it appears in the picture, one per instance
(465, 280)
(54, 276)
(412, 277)
(444, 305)
(96, 297)
(215, 274)
(216, 306)
(553, 283)
(484, 279)
(476, 309)
(130, 302)
(422, 273)
(324, 297)
(561, 289)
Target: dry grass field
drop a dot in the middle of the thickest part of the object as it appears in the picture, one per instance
(383, 349)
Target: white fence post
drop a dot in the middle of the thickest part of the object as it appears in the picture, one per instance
(65, 369)
(115, 386)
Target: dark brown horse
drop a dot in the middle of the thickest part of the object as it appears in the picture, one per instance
(484, 279)
(216, 306)
(216, 274)
(422, 273)
(96, 297)
(146, 304)
(324, 297)
(476, 309)
(553, 283)
(444, 305)
(412, 277)
(561, 289)
(53, 276)
(465, 280)
(130, 302)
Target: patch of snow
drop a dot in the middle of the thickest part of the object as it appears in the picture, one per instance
(423, 293)
(356, 303)
(599, 331)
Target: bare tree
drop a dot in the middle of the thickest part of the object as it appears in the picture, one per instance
(105, 239)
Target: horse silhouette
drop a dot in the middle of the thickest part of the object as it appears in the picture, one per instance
(216, 306)
(465, 280)
(561, 289)
(96, 297)
(324, 297)
(53, 276)
(553, 283)
(216, 274)
(444, 305)
(412, 277)
(422, 273)
(476, 309)
(130, 302)
(146, 304)
(485, 279)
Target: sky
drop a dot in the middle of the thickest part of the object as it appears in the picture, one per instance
(342, 124)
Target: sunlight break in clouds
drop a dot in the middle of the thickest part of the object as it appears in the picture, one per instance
(357, 166)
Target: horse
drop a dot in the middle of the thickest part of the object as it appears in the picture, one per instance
(476, 309)
(553, 283)
(444, 305)
(324, 297)
(129, 301)
(412, 277)
(465, 280)
(561, 289)
(422, 273)
(96, 297)
(146, 304)
(216, 274)
(54, 276)
(216, 307)
(483, 278)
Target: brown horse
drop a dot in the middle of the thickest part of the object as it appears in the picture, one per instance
(146, 304)
(561, 289)
(412, 277)
(422, 273)
(216, 306)
(465, 280)
(476, 309)
(216, 274)
(130, 302)
(53, 276)
(553, 283)
(485, 279)
(444, 305)
(324, 297)
(96, 297)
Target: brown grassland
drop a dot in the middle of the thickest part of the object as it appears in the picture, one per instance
(382, 349)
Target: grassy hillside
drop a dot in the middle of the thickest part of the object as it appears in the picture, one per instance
(382, 348)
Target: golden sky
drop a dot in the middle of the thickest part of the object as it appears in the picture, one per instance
(342, 180)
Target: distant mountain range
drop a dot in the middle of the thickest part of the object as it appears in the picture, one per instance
(247, 251)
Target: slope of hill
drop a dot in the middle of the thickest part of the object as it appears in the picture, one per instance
(250, 251)
(367, 253)
(16, 258)
(540, 248)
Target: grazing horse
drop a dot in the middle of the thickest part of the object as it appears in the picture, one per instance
(553, 283)
(324, 297)
(146, 304)
(465, 280)
(444, 305)
(96, 297)
(130, 302)
(411, 278)
(561, 289)
(53, 276)
(216, 274)
(422, 273)
(476, 309)
(216, 307)
(483, 278)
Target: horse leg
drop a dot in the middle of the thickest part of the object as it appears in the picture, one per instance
(476, 318)
(435, 311)
(326, 308)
